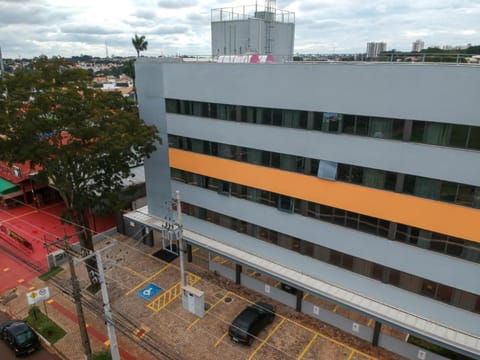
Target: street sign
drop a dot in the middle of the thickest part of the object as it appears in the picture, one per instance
(38, 295)
(149, 291)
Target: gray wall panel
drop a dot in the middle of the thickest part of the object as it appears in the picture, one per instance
(456, 165)
(149, 81)
(423, 263)
(442, 93)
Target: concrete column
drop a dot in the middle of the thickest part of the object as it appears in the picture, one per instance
(299, 301)
(189, 253)
(238, 272)
(376, 333)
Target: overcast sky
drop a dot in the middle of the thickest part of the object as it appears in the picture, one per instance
(31, 28)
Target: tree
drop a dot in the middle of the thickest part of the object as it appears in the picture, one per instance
(84, 140)
(139, 43)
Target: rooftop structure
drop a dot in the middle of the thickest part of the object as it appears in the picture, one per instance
(246, 29)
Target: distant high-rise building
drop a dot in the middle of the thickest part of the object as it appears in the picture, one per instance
(418, 45)
(375, 48)
(247, 29)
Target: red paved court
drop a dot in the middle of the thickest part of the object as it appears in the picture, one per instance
(23, 232)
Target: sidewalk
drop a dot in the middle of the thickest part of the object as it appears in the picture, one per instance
(61, 310)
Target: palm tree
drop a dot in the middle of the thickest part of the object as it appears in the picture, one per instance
(139, 43)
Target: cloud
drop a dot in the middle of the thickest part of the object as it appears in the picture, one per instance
(88, 29)
(68, 27)
(176, 4)
(20, 13)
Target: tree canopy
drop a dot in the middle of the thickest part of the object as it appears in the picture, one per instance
(139, 43)
(83, 140)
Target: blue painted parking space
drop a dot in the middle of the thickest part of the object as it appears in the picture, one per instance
(149, 291)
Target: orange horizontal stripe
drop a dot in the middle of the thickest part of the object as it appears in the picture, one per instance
(453, 220)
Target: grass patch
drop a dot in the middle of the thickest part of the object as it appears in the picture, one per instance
(102, 355)
(46, 327)
(51, 273)
(93, 288)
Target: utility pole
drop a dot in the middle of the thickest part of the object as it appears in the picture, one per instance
(115, 353)
(181, 242)
(77, 297)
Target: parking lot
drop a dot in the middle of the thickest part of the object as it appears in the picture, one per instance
(148, 291)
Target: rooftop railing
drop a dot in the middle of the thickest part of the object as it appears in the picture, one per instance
(252, 12)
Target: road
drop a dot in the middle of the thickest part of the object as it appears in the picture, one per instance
(7, 354)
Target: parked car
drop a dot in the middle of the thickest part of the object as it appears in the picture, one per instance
(19, 336)
(246, 326)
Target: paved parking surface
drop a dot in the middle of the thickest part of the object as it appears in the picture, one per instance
(131, 275)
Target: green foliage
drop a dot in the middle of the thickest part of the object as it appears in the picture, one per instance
(46, 327)
(93, 288)
(129, 69)
(139, 43)
(83, 139)
(50, 273)
(102, 355)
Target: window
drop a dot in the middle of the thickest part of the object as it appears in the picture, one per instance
(332, 122)
(474, 140)
(327, 170)
(465, 195)
(444, 293)
(285, 203)
(394, 277)
(448, 191)
(380, 128)
(373, 178)
(172, 106)
(349, 124)
(417, 131)
(361, 127)
(427, 188)
(428, 288)
(367, 224)
(224, 188)
(459, 136)
(317, 120)
(377, 272)
(347, 262)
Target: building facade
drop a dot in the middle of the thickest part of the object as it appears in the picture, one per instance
(375, 48)
(373, 188)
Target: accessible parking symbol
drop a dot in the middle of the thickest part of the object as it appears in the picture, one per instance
(149, 291)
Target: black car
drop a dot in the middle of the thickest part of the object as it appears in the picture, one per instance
(250, 322)
(19, 336)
